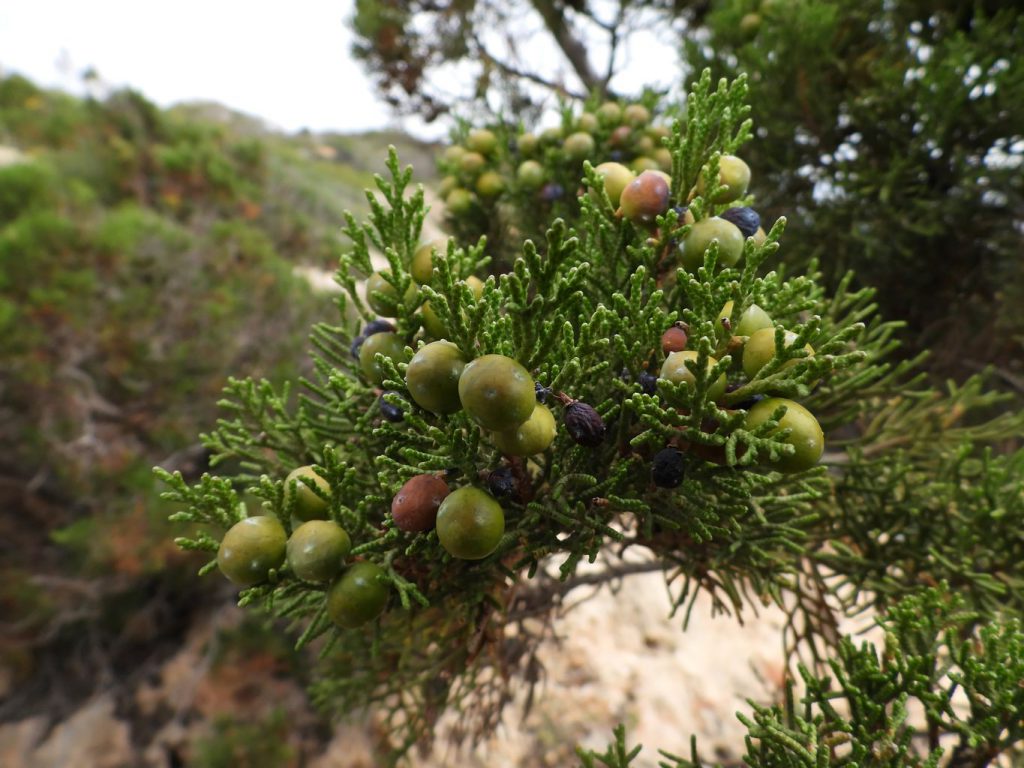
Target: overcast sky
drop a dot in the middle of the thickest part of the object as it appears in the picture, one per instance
(286, 63)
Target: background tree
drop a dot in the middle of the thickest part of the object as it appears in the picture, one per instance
(892, 133)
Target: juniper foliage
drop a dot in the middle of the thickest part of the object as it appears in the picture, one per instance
(583, 310)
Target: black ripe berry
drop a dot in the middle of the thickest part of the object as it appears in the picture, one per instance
(502, 483)
(746, 220)
(584, 424)
(357, 344)
(542, 392)
(667, 468)
(648, 383)
(551, 192)
(389, 411)
(749, 403)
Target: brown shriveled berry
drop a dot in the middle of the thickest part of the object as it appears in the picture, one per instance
(584, 424)
(673, 340)
(414, 507)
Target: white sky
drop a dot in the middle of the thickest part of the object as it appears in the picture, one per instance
(287, 63)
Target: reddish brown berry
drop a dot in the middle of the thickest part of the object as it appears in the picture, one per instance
(415, 506)
(673, 340)
(645, 198)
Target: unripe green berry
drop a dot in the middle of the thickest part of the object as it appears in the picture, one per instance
(733, 175)
(459, 201)
(616, 176)
(705, 232)
(579, 146)
(250, 549)
(308, 505)
(481, 140)
(805, 435)
(432, 377)
(530, 174)
(358, 596)
(317, 550)
(497, 392)
(674, 369)
(532, 436)
(388, 344)
(470, 524)
(760, 349)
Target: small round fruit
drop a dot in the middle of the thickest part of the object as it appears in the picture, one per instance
(530, 174)
(705, 232)
(587, 122)
(734, 177)
(317, 550)
(388, 344)
(760, 348)
(454, 153)
(745, 218)
(760, 237)
(482, 141)
(432, 377)
(476, 285)
(490, 185)
(414, 507)
(250, 549)
(470, 524)
(432, 323)
(527, 143)
(752, 320)
(579, 146)
(358, 596)
(673, 340)
(551, 135)
(616, 176)
(609, 113)
(459, 201)
(532, 436)
(472, 163)
(667, 468)
(644, 145)
(663, 157)
(805, 435)
(642, 164)
(621, 136)
(422, 267)
(551, 191)
(749, 24)
(636, 115)
(447, 184)
(497, 392)
(674, 369)
(645, 198)
(378, 289)
(308, 505)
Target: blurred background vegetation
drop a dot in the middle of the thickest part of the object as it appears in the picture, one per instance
(148, 254)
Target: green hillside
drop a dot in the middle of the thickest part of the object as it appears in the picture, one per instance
(145, 255)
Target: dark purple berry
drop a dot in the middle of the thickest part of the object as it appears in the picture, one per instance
(542, 392)
(502, 483)
(356, 345)
(390, 412)
(584, 424)
(667, 468)
(746, 220)
(616, 155)
(551, 192)
(648, 383)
